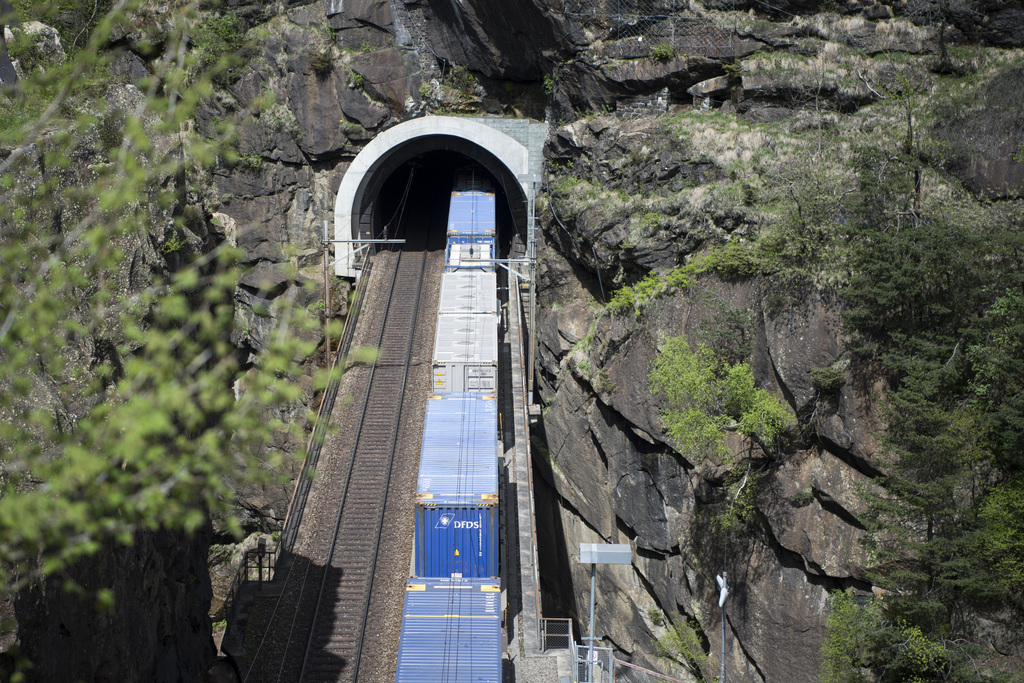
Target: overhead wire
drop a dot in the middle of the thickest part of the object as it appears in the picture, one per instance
(400, 210)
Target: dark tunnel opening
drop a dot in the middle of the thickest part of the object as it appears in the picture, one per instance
(416, 194)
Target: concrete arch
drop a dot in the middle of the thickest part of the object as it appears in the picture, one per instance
(507, 158)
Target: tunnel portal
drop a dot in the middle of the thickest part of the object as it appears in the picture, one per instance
(429, 151)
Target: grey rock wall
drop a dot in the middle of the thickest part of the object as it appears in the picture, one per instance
(513, 40)
(157, 630)
(616, 479)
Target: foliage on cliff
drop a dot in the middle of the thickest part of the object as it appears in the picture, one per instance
(934, 296)
(124, 406)
(705, 396)
(861, 638)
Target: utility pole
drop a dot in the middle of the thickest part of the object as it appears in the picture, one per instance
(327, 285)
(595, 554)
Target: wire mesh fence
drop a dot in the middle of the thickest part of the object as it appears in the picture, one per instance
(649, 28)
(597, 664)
(257, 565)
(556, 634)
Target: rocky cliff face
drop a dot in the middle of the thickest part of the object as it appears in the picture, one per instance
(156, 629)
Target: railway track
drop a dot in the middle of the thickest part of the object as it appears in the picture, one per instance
(334, 646)
(335, 614)
(315, 630)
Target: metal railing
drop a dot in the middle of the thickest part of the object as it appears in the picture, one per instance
(631, 673)
(304, 482)
(257, 565)
(593, 664)
(603, 667)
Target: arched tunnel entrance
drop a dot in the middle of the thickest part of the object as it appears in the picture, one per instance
(430, 150)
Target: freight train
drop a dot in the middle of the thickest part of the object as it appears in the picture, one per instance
(451, 621)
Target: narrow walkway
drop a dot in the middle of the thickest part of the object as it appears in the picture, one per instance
(526, 659)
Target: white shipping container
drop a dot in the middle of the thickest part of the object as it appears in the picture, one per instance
(468, 291)
(466, 353)
(470, 255)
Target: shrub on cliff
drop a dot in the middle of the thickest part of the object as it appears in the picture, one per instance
(638, 296)
(859, 638)
(705, 397)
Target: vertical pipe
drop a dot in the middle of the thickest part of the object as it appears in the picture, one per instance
(531, 239)
(590, 640)
(327, 301)
(618, 25)
(533, 330)
(259, 566)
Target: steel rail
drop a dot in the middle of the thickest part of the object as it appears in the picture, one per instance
(303, 484)
(391, 463)
(300, 493)
(348, 479)
(300, 600)
(332, 552)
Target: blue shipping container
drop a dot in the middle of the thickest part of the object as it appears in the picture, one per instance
(457, 489)
(451, 631)
(456, 541)
(471, 212)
